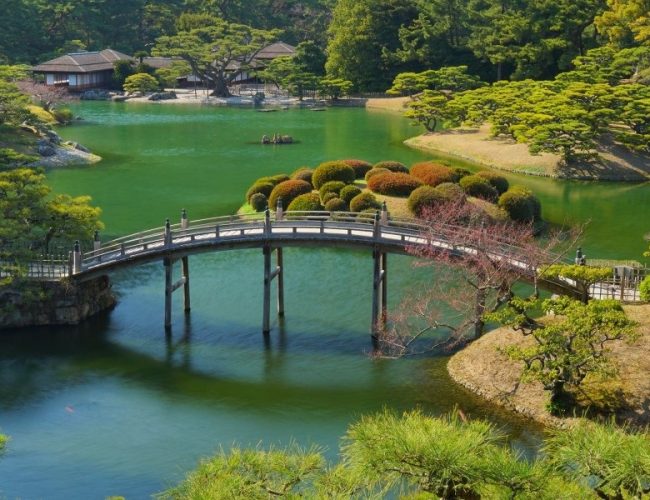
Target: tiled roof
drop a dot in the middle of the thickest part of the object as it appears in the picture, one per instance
(278, 49)
(82, 62)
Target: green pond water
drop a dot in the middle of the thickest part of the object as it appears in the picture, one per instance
(112, 408)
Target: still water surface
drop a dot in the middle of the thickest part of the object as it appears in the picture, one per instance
(111, 408)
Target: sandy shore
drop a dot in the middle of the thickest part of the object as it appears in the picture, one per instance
(485, 371)
(388, 103)
(202, 96)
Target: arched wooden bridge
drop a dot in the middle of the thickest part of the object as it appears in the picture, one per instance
(380, 233)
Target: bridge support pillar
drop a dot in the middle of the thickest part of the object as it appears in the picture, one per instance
(171, 287)
(379, 293)
(185, 267)
(167, 262)
(269, 276)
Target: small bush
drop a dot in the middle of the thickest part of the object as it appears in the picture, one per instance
(332, 171)
(451, 191)
(303, 174)
(264, 188)
(393, 184)
(63, 115)
(308, 202)
(328, 197)
(258, 201)
(361, 168)
(499, 182)
(274, 179)
(432, 174)
(288, 190)
(424, 197)
(364, 201)
(479, 187)
(393, 166)
(644, 288)
(336, 205)
(461, 172)
(349, 192)
(521, 204)
(375, 171)
(331, 187)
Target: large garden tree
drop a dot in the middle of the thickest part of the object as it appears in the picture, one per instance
(216, 50)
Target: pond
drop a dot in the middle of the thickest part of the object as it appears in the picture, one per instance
(112, 408)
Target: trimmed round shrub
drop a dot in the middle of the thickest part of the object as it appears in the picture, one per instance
(349, 192)
(308, 202)
(328, 197)
(460, 173)
(432, 174)
(393, 184)
(361, 168)
(644, 289)
(288, 190)
(368, 215)
(336, 205)
(274, 179)
(521, 204)
(393, 166)
(331, 187)
(332, 171)
(264, 188)
(479, 187)
(500, 183)
(375, 171)
(424, 197)
(364, 201)
(259, 202)
(303, 174)
(451, 191)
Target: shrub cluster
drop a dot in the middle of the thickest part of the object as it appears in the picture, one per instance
(360, 167)
(332, 171)
(364, 201)
(393, 184)
(258, 201)
(393, 166)
(479, 187)
(499, 182)
(264, 188)
(303, 174)
(331, 187)
(336, 205)
(349, 192)
(425, 197)
(328, 197)
(521, 204)
(288, 190)
(274, 179)
(451, 191)
(375, 171)
(308, 202)
(432, 174)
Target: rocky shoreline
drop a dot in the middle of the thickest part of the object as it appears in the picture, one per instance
(53, 152)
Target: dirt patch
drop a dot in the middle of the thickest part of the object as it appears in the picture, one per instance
(482, 369)
(476, 145)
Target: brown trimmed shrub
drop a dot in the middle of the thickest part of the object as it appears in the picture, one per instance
(331, 187)
(375, 171)
(288, 190)
(364, 201)
(393, 166)
(451, 191)
(424, 197)
(336, 205)
(258, 202)
(432, 174)
(264, 188)
(521, 204)
(308, 202)
(303, 174)
(360, 167)
(393, 184)
(499, 182)
(349, 192)
(479, 187)
(332, 171)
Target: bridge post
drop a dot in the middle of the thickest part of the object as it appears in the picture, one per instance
(97, 242)
(266, 313)
(384, 214)
(280, 276)
(76, 258)
(279, 209)
(167, 262)
(185, 222)
(168, 233)
(185, 266)
(376, 282)
(384, 289)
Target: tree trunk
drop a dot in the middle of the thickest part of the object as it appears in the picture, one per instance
(479, 310)
(220, 88)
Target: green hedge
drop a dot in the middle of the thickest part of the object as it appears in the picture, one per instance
(479, 187)
(332, 171)
(336, 205)
(432, 174)
(393, 184)
(264, 188)
(349, 192)
(364, 201)
(331, 187)
(393, 166)
(521, 204)
(288, 190)
(303, 174)
(499, 182)
(451, 191)
(375, 171)
(424, 197)
(259, 202)
(308, 202)
(361, 167)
